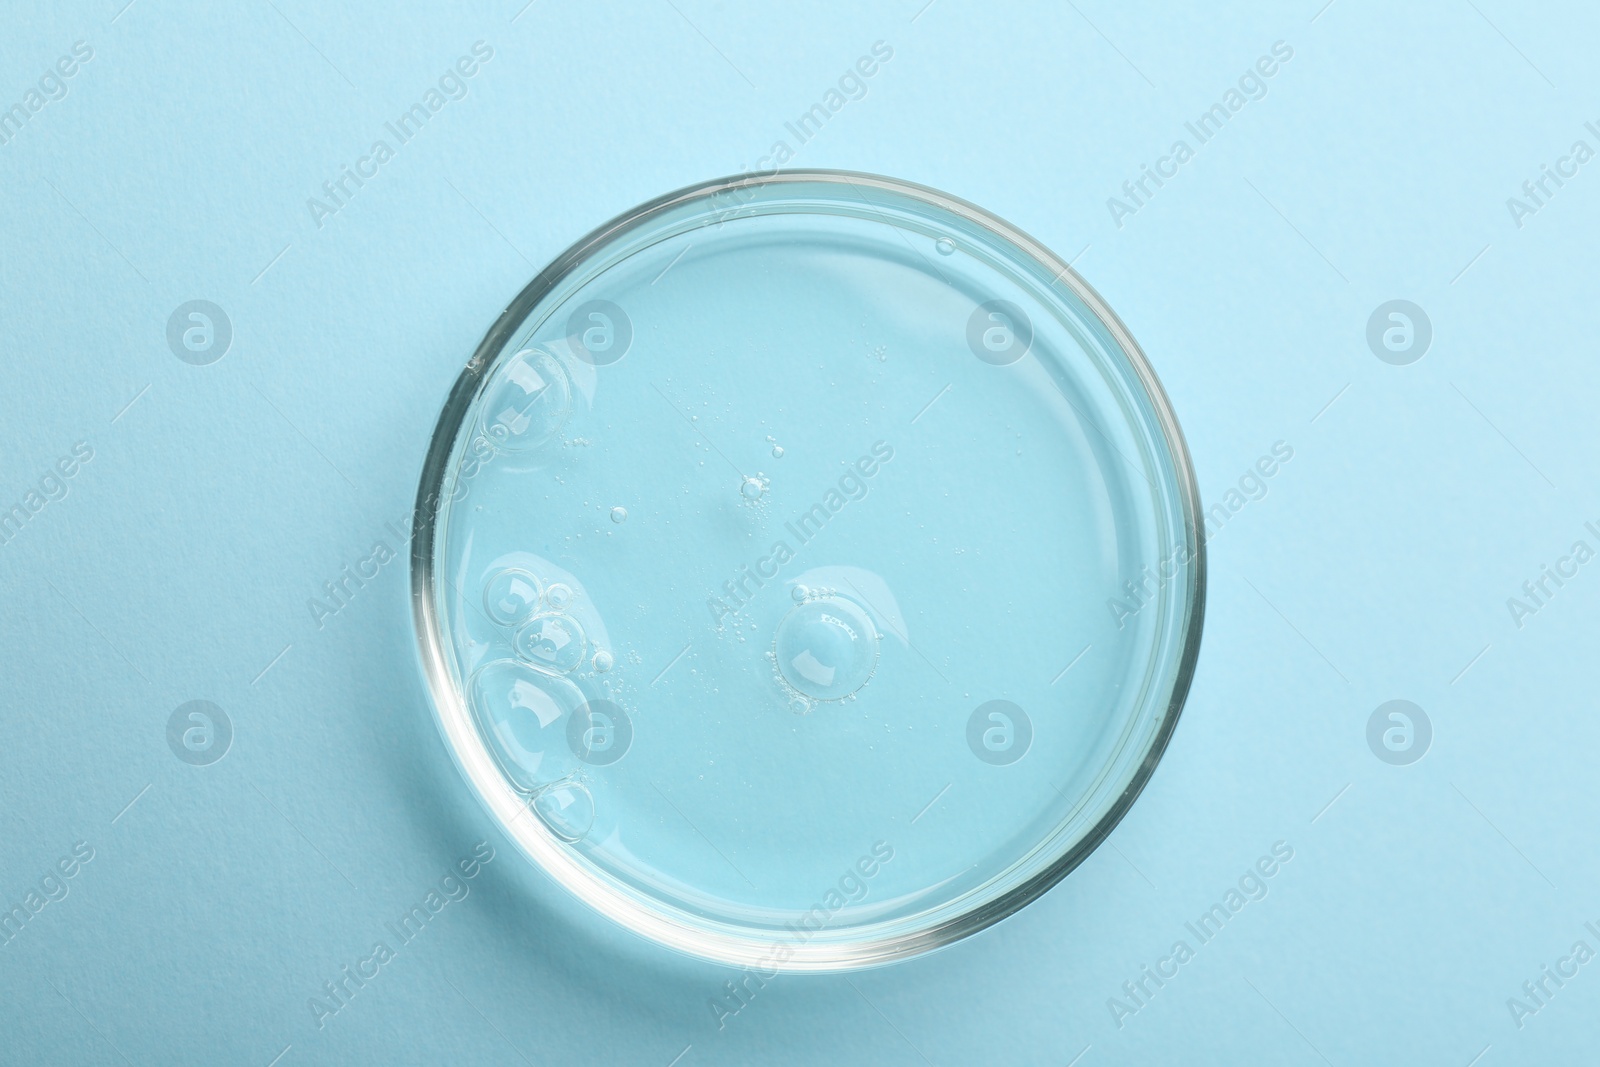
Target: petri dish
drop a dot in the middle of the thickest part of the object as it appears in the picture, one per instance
(806, 570)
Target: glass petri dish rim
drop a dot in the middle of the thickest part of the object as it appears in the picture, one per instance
(660, 922)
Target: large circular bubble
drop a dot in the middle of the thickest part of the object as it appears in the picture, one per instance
(523, 714)
(826, 648)
(528, 402)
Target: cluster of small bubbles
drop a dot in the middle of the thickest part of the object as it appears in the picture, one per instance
(944, 246)
(752, 487)
(619, 514)
(603, 661)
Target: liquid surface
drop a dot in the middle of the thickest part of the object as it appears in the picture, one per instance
(871, 673)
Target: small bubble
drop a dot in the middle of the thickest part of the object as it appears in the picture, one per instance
(800, 592)
(800, 706)
(944, 246)
(603, 661)
(619, 514)
(777, 451)
(558, 595)
(555, 642)
(752, 487)
(510, 596)
(567, 809)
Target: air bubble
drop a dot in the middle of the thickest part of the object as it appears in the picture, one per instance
(826, 648)
(510, 596)
(800, 593)
(944, 246)
(619, 514)
(603, 661)
(777, 451)
(558, 596)
(522, 712)
(528, 403)
(752, 487)
(800, 706)
(567, 809)
(552, 641)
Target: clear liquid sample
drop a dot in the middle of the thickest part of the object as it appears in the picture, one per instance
(813, 695)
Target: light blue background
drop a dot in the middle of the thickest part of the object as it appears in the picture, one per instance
(179, 565)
